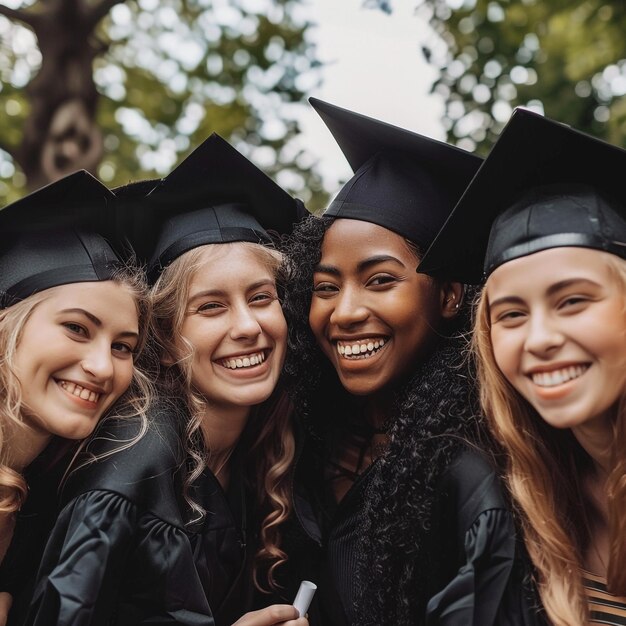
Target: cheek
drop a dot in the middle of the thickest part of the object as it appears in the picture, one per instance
(318, 315)
(125, 377)
(506, 353)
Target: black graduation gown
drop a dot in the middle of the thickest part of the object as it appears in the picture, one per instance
(120, 551)
(34, 521)
(480, 578)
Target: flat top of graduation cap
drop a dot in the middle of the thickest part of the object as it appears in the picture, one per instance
(544, 185)
(403, 181)
(62, 233)
(215, 195)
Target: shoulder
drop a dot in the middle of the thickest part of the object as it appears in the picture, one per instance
(473, 476)
(469, 488)
(136, 459)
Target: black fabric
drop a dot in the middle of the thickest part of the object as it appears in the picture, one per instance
(121, 551)
(544, 185)
(63, 233)
(213, 192)
(479, 572)
(34, 521)
(403, 181)
(480, 575)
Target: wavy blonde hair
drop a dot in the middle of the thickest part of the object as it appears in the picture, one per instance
(134, 401)
(545, 468)
(272, 444)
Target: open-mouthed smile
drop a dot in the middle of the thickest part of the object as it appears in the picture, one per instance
(78, 391)
(360, 349)
(558, 376)
(244, 361)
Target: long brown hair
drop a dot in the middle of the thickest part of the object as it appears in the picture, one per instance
(272, 449)
(545, 468)
(134, 401)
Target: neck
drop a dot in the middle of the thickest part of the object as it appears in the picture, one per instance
(222, 428)
(26, 443)
(596, 438)
(378, 409)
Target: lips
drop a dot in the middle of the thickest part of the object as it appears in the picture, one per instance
(361, 348)
(77, 390)
(559, 376)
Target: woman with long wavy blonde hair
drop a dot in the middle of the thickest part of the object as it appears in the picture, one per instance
(550, 342)
(73, 318)
(221, 336)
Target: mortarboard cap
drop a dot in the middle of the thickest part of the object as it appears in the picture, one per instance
(403, 181)
(62, 233)
(544, 185)
(215, 195)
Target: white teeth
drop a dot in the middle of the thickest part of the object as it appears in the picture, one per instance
(360, 350)
(79, 392)
(245, 361)
(558, 377)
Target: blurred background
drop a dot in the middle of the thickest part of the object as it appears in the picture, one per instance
(126, 88)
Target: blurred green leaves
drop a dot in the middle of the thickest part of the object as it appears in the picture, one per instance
(170, 73)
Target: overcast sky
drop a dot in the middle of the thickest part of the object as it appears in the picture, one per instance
(373, 65)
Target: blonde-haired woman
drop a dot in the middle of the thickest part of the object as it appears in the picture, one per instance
(550, 339)
(73, 317)
(192, 513)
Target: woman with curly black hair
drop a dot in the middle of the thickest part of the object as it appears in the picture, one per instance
(404, 522)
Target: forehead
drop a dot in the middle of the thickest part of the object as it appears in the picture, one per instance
(223, 265)
(350, 241)
(110, 301)
(536, 273)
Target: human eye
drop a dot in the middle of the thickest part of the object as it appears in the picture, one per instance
(208, 308)
(76, 329)
(325, 289)
(264, 297)
(123, 349)
(573, 303)
(381, 280)
(508, 317)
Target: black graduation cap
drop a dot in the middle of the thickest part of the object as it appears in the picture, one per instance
(544, 185)
(402, 181)
(215, 195)
(62, 233)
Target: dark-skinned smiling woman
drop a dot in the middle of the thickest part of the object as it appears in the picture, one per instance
(400, 517)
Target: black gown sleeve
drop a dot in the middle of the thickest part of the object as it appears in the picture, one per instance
(119, 553)
(490, 585)
(87, 551)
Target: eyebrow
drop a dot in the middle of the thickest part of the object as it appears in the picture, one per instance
(221, 293)
(97, 321)
(552, 289)
(362, 265)
(87, 314)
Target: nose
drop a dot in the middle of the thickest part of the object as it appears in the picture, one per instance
(543, 337)
(98, 362)
(349, 308)
(244, 323)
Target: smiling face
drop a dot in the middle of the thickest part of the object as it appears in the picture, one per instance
(558, 331)
(74, 357)
(372, 315)
(235, 326)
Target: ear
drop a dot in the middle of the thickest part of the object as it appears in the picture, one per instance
(451, 299)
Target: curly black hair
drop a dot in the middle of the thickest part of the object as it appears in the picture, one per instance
(435, 414)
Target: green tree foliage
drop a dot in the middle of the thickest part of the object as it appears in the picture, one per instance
(565, 58)
(165, 74)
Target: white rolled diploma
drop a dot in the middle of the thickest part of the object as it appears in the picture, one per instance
(304, 596)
